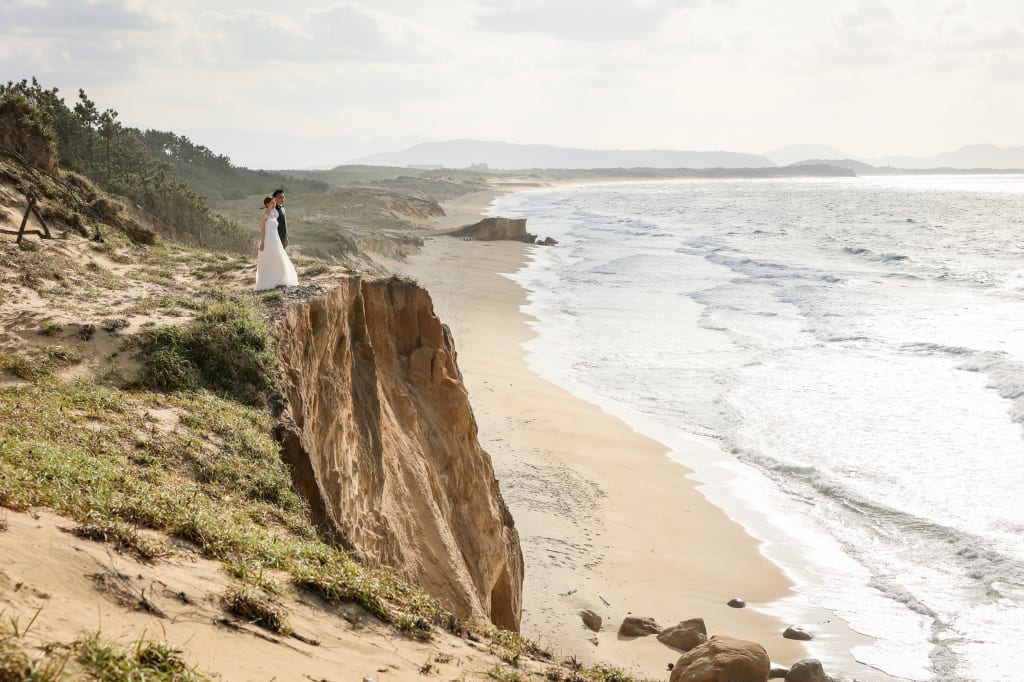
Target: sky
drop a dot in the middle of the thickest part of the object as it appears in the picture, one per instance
(872, 77)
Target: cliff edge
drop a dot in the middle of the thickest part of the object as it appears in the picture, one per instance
(383, 443)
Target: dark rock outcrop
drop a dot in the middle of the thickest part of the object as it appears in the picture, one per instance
(736, 603)
(496, 229)
(778, 672)
(720, 659)
(686, 635)
(382, 441)
(638, 627)
(798, 633)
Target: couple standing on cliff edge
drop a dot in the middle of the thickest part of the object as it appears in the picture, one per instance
(273, 267)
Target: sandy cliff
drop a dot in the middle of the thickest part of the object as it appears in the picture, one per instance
(382, 439)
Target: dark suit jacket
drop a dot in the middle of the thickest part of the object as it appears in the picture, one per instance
(282, 227)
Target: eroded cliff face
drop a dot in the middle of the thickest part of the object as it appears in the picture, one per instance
(384, 445)
(494, 229)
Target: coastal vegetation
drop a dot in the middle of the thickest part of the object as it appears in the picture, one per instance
(157, 470)
(214, 480)
(139, 404)
(167, 175)
(90, 657)
(225, 348)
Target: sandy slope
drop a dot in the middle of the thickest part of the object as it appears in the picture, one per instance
(79, 587)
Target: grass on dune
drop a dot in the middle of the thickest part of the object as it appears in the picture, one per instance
(213, 477)
(55, 274)
(42, 362)
(91, 657)
(186, 449)
(226, 349)
(143, 661)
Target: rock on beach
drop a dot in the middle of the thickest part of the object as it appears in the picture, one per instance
(807, 670)
(686, 635)
(723, 658)
(794, 632)
(591, 620)
(638, 627)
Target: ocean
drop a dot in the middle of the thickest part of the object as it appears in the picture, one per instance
(855, 349)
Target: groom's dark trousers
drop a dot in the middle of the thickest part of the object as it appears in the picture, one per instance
(282, 227)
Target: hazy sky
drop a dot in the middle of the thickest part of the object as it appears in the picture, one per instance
(869, 76)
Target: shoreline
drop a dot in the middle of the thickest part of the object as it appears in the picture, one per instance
(601, 531)
(620, 535)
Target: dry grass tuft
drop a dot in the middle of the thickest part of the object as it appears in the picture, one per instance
(125, 538)
(252, 607)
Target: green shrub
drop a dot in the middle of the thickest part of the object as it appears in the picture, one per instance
(226, 348)
(168, 368)
(28, 129)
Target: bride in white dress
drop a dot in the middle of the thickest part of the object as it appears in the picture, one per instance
(273, 267)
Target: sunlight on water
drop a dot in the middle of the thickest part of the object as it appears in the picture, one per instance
(856, 346)
(1002, 183)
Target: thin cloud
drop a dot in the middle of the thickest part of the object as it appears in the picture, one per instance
(24, 17)
(867, 13)
(627, 73)
(340, 32)
(593, 20)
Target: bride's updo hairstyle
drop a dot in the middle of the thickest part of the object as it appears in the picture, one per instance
(266, 200)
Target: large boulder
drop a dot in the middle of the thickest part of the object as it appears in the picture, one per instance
(638, 627)
(723, 659)
(807, 670)
(686, 635)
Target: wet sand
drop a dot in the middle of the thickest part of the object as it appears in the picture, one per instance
(607, 521)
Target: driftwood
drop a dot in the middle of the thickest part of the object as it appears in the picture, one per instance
(43, 182)
(31, 209)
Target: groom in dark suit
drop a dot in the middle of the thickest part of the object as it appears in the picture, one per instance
(282, 227)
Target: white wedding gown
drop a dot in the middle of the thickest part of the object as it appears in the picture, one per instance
(273, 267)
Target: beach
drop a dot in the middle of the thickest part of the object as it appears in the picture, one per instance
(607, 521)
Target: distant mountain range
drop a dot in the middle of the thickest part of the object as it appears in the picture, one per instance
(275, 151)
(286, 151)
(792, 153)
(969, 157)
(506, 155)
(972, 156)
